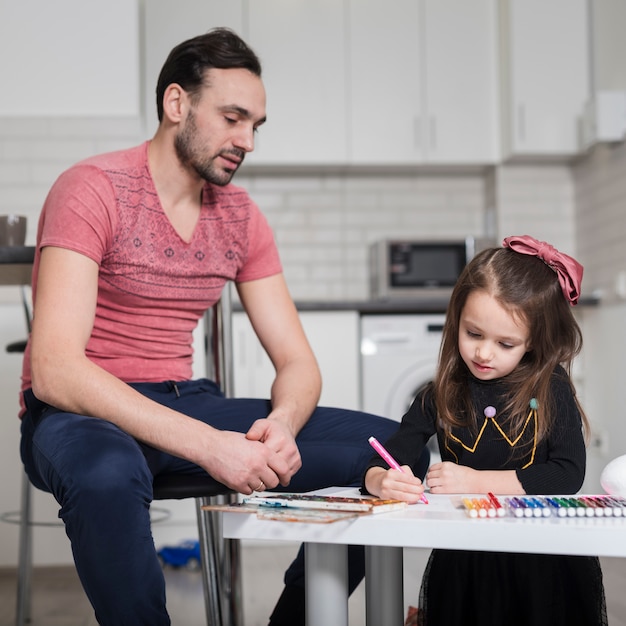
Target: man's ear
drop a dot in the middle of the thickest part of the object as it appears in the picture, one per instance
(174, 103)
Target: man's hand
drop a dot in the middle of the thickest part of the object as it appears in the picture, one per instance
(243, 464)
(277, 436)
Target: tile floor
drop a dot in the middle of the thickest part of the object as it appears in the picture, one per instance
(58, 599)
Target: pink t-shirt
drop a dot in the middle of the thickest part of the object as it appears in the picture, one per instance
(152, 287)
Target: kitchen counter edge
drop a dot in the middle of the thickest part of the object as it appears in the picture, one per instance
(389, 307)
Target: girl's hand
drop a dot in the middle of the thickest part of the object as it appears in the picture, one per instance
(448, 477)
(394, 484)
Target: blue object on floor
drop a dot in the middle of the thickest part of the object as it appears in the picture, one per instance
(186, 554)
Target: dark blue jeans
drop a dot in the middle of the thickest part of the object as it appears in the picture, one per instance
(102, 479)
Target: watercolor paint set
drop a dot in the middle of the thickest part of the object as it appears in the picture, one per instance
(545, 506)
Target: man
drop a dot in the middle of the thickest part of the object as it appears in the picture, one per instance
(132, 248)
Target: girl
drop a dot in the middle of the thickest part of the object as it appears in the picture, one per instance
(508, 343)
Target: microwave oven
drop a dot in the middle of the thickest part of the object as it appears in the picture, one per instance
(420, 269)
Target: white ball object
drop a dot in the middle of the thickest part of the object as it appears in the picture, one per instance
(613, 477)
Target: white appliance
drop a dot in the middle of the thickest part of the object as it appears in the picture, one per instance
(419, 269)
(398, 356)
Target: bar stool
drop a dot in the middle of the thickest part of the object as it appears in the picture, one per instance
(221, 572)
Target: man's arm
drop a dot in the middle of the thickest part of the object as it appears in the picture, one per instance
(64, 377)
(297, 386)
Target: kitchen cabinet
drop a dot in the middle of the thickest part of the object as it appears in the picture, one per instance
(545, 75)
(334, 337)
(358, 82)
(70, 58)
(301, 47)
(423, 82)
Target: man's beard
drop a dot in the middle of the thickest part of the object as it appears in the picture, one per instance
(204, 167)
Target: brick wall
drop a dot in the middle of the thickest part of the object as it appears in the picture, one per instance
(601, 217)
(324, 224)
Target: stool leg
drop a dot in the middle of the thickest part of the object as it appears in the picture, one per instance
(210, 567)
(221, 570)
(231, 568)
(25, 557)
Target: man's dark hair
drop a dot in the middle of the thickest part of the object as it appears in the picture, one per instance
(188, 62)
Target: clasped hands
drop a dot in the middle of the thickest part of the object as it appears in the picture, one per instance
(262, 458)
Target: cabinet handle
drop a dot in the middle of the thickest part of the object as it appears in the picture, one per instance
(521, 122)
(435, 328)
(417, 135)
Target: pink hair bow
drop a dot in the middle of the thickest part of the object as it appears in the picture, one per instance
(568, 270)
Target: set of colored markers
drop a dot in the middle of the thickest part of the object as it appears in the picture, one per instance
(545, 506)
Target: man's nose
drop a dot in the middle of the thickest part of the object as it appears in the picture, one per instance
(244, 139)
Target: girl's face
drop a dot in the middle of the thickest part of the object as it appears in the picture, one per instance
(492, 341)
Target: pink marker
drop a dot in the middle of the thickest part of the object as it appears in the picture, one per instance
(393, 464)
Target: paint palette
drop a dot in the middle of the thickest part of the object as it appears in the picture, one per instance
(545, 506)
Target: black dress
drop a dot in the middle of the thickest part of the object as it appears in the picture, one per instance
(469, 588)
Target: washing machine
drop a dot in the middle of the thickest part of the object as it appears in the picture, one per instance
(398, 356)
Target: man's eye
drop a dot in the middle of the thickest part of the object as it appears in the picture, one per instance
(230, 120)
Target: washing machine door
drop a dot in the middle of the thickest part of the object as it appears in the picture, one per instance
(405, 387)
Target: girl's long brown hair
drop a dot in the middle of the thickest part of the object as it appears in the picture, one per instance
(530, 290)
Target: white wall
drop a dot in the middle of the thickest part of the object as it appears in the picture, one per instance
(537, 200)
(601, 218)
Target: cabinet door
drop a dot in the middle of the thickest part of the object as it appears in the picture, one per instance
(460, 81)
(334, 338)
(70, 58)
(384, 52)
(164, 28)
(301, 46)
(546, 75)
(423, 82)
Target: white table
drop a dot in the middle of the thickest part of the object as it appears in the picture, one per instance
(440, 524)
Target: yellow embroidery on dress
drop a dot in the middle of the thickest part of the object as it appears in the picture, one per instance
(532, 414)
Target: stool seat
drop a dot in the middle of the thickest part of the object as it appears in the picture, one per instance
(183, 486)
(16, 346)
